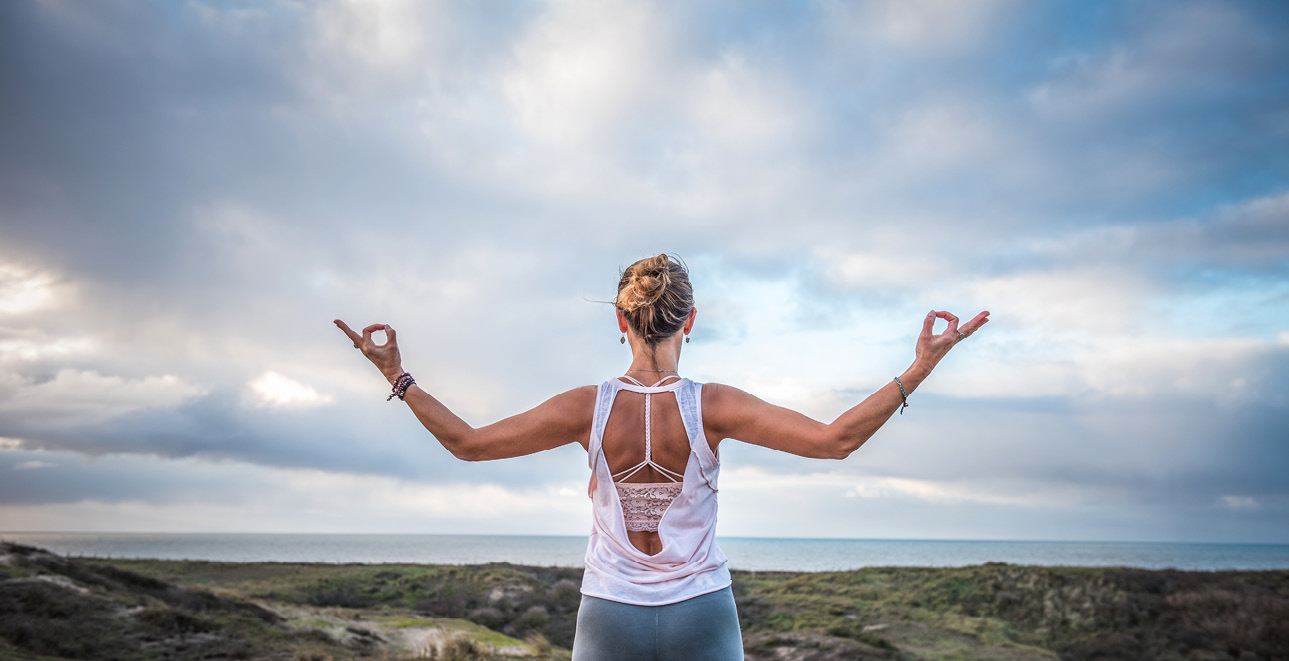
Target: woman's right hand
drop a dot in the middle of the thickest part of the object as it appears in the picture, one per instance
(931, 348)
(385, 357)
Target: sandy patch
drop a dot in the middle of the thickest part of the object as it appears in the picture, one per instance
(60, 581)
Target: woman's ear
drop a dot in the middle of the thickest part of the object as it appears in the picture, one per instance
(689, 323)
(622, 320)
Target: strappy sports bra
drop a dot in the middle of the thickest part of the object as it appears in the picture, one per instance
(643, 503)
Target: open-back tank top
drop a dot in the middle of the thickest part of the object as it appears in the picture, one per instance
(690, 563)
(643, 503)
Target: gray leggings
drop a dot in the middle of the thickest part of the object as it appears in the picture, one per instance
(703, 628)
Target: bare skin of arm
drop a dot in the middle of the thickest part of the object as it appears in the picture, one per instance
(727, 412)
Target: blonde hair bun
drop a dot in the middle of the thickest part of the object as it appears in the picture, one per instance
(655, 295)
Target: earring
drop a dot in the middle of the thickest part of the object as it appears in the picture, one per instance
(686, 339)
(623, 340)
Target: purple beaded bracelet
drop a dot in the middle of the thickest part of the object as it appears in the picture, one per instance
(401, 384)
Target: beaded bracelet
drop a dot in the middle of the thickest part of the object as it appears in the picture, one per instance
(903, 395)
(401, 384)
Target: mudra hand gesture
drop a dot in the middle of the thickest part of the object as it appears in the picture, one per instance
(385, 356)
(931, 348)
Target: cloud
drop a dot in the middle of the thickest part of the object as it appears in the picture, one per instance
(383, 34)
(921, 27)
(741, 108)
(189, 196)
(1165, 64)
(1238, 502)
(149, 493)
(23, 290)
(85, 397)
(857, 484)
(274, 390)
(1245, 236)
(35, 345)
(580, 67)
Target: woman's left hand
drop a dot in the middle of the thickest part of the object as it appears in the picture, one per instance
(931, 347)
(385, 356)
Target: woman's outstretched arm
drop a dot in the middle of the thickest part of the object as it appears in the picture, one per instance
(731, 413)
(562, 419)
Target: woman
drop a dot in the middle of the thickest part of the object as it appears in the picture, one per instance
(656, 584)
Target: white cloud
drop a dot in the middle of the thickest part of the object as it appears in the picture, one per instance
(930, 491)
(856, 484)
(1228, 371)
(738, 106)
(581, 67)
(377, 33)
(1239, 502)
(1070, 304)
(273, 390)
(943, 134)
(876, 267)
(921, 27)
(31, 345)
(79, 397)
(442, 502)
(24, 289)
(195, 495)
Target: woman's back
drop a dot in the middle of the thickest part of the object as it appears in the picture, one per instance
(647, 450)
(681, 559)
(624, 436)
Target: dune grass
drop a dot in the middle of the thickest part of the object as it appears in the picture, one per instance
(343, 611)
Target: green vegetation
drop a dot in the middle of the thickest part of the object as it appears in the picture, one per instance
(69, 608)
(999, 611)
(511, 600)
(128, 609)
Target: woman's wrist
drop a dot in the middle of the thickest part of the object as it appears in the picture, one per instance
(393, 375)
(918, 371)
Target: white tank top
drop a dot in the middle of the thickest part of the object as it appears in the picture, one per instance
(690, 563)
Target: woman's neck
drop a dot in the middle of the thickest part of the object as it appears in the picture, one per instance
(662, 359)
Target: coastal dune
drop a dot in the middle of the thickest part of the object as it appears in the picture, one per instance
(54, 607)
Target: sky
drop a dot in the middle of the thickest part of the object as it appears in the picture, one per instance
(191, 192)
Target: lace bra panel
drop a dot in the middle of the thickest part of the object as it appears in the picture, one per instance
(643, 503)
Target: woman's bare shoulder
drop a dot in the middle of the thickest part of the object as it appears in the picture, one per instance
(578, 400)
(717, 392)
(720, 399)
(580, 395)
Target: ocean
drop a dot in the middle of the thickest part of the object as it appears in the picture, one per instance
(745, 553)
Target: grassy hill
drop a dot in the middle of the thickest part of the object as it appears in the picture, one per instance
(128, 609)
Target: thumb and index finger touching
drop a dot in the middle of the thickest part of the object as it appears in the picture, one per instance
(929, 323)
(928, 326)
(976, 322)
(366, 336)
